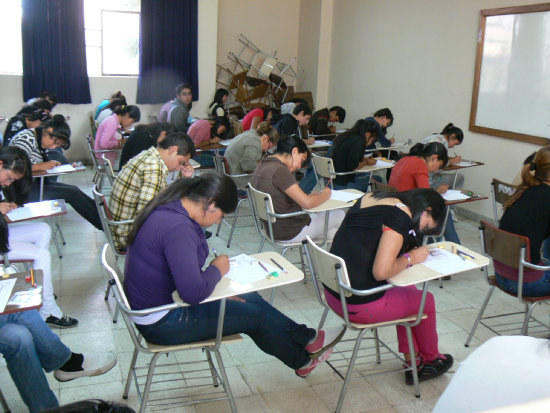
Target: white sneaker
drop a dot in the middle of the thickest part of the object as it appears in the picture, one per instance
(94, 364)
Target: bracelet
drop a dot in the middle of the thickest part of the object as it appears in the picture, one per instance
(408, 259)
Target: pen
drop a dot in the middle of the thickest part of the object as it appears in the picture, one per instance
(263, 266)
(215, 253)
(278, 265)
(466, 255)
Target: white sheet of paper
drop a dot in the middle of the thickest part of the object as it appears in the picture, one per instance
(225, 142)
(60, 169)
(6, 287)
(342, 195)
(33, 209)
(454, 195)
(322, 142)
(245, 270)
(445, 262)
(466, 163)
(380, 162)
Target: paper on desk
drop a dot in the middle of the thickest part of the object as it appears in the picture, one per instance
(33, 209)
(344, 196)
(27, 298)
(225, 142)
(322, 142)
(454, 195)
(466, 163)
(381, 162)
(61, 169)
(6, 287)
(245, 269)
(445, 262)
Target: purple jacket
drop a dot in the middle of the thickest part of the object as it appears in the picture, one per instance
(168, 253)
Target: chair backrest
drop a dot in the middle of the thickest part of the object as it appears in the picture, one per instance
(106, 218)
(262, 204)
(379, 186)
(326, 267)
(221, 165)
(109, 168)
(109, 261)
(323, 166)
(504, 246)
(500, 193)
(90, 144)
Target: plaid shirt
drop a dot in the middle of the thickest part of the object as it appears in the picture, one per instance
(136, 184)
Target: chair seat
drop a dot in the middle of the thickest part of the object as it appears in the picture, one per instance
(493, 281)
(390, 322)
(299, 243)
(156, 348)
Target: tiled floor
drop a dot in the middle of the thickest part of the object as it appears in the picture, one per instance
(260, 383)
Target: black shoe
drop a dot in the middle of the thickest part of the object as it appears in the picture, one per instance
(430, 369)
(63, 322)
(207, 234)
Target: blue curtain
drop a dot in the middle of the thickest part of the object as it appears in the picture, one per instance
(54, 52)
(168, 46)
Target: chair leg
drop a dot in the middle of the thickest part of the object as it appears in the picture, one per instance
(59, 231)
(236, 215)
(413, 360)
(130, 371)
(54, 236)
(377, 346)
(115, 315)
(110, 283)
(350, 370)
(302, 263)
(212, 368)
(226, 385)
(528, 312)
(219, 227)
(4, 403)
(323, 319)
(478, 319)
(148, 382)
(261, 245)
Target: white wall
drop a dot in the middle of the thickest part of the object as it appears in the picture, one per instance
(308, 46)
(417, 58)
(11, 96)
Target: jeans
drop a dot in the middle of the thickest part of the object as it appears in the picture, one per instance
(361, 183)
(205, 158)
(82, 203)
(546, 249)
(273, 332)
(309, 180)
(30, 347)
(538, 288)
(450, 231)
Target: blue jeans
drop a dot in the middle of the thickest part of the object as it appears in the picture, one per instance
(361, 183)
(546, 249)
(450, 231)
(538, 288)
(309, 181)
(30, 347)
(272, 331)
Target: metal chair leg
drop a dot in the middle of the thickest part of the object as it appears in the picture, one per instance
(212, 368)
(148, 382)
(59, 231)
(4, 403)
(528, 312)
(377, 346)
(478, 319)
(413, 357)
(130, 371)
(225, 381)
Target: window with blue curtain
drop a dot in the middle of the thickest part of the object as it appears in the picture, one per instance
(167, 49)
(54, 51)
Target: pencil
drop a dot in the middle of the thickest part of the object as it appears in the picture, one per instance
(263, 266)
(32, 277)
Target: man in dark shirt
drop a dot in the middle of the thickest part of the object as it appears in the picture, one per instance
(290, 123)
(319, 122)
(179, 112)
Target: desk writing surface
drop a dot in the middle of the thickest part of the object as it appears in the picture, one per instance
(331, 204)
(20, 286)
(42, 174)
(472, 197)
(456, 167)
(228, 288)
(37, 210)
(420, 273)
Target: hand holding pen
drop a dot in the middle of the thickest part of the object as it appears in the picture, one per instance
(221, 262)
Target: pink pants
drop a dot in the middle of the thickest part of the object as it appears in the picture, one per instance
(396, 303)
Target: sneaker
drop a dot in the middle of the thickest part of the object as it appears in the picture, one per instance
(63, 322)
(94, 364)
(309, 367)
(430, 369)
(325, 339)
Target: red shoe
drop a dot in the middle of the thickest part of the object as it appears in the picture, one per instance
(325, 339)
(309, 367)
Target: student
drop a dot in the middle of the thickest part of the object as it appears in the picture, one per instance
(142, 138)
(28, 240)
(46, 95)
(109, 132)
(55, 133)
(167, 251)
(274, 176)
(384, 119)
(30, 348)
(43, 104)
(144, 176)
(290, 123)
(449, 137)
(256, 116)
(319, 122)
(206, 132)
(110, 109)
(377, 240)
(105, 102)
(527, 213)
(181, 107)
(412, 171)
(217, 108)
(348, 154)
(18, 123)
(245, 150)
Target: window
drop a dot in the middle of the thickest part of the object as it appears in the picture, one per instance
(112, 37)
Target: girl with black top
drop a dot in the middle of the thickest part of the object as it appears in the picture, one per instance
(24, 121)
(217, 108)
(142, 138)
(377, 240)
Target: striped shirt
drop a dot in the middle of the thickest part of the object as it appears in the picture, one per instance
(26, 140)
(137, 183)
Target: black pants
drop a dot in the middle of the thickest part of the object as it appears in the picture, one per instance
(72, 195)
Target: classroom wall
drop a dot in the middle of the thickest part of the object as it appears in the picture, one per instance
(309, 32)
(11, 95)
(417, 58)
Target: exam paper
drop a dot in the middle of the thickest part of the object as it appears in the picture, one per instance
(445, 262)
(225, 142)
(33, 209)
(344, 196)
(245, 269)
(466, 163)
(61, 169)
(454, 195)
(6, 287)
(383, 163)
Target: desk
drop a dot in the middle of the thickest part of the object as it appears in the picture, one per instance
(461, 165)
(38, 210)
(22, 285)
(44, 174)
(393, 147)
(320, 144)
(332, 204)
(228, 288)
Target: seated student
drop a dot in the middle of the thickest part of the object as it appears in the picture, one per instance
(527, 213)
(274, 176)
(110, 109)
(180, 108)
(142, 138)
(55, 133)
(217, 108)
(256, 116)
(319, 122)
(167, 251)
(46, 95)
(105, 102)
(377, 240)
(18, 123)
(206, 132)
(245, 150)
(348, 154)
(109, 132)
(384, 119)
(28, 240)
(43, 104)
(144, 176)
(289, 123)
(412, 171)
(449, 137)
(30, 348)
